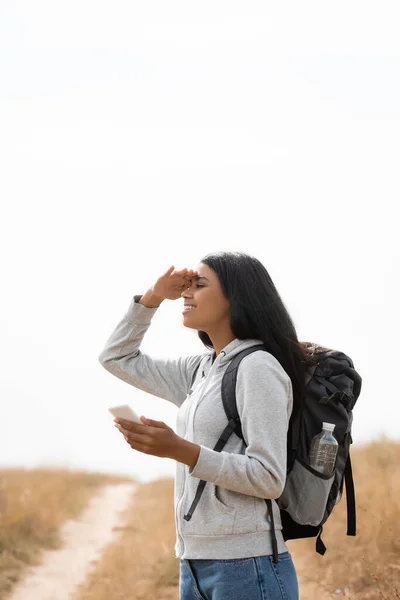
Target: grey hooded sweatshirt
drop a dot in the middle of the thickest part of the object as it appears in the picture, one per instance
(231, 519)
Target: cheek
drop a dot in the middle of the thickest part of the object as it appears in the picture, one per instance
(225, 310)
(215, 307)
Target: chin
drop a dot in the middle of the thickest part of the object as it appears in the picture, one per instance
(187, 323)
(190, 326)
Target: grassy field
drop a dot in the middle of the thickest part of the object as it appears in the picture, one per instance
(141, 564)
(33, 505)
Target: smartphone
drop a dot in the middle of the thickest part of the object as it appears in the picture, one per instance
(124, 411)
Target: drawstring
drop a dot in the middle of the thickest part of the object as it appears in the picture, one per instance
(274, 542)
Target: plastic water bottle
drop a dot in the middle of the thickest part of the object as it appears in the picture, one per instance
(323, 451)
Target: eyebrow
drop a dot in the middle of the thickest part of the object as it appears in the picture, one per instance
(199, 277)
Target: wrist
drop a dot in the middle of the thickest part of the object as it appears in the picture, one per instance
(150, 300)
(186, 452)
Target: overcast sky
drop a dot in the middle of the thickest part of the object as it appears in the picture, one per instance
(137, 135)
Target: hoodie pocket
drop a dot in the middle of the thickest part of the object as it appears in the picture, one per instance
(218, 502)
(244, 507)
(211, 517)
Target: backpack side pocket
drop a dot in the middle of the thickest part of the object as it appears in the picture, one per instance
(305, 494)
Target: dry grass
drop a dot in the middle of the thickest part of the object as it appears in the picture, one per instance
(141, 565)
(366, 566)
(33, 505)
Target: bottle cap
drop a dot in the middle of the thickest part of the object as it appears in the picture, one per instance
(328, 426)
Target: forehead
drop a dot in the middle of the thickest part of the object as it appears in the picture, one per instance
(205, 271)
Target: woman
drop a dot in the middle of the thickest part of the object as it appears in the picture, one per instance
(225, 549)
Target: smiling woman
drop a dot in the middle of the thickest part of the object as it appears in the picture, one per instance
(225, 545)
(208, 307)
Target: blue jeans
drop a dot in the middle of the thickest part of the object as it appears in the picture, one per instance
(256, 578)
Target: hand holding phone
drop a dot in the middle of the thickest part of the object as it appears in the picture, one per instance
(124, 411)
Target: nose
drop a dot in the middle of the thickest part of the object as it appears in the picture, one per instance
(186, 292)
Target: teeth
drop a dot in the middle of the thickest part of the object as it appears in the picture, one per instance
(190, 307)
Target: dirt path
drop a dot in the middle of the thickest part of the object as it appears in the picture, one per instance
(63, 570)
(308, 588)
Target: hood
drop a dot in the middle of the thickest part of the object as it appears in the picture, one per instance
(229, 352)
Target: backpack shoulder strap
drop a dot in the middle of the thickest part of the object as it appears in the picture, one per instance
(228, 387)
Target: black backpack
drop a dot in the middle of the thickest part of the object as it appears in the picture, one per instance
(332, 388)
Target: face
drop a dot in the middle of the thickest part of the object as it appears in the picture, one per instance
(210, 307)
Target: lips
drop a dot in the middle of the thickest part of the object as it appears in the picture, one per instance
(188, 307)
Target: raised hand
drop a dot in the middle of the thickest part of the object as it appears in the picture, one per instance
(172, 283)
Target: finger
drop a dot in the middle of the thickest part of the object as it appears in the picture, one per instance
(181, 273)
(139, 447)
(170, 270)
(152, 423)
(129, 425)
(136, 441)
(140, 437)
(122, 430)
(190, 275)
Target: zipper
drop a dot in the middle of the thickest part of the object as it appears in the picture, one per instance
(181, 548)
(202, 392)
(199, 393)
(181, 545)
(181, 466)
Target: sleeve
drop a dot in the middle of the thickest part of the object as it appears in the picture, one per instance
(169, 379)
(264, 399)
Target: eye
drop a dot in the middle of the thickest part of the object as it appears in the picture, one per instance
(199, 285)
